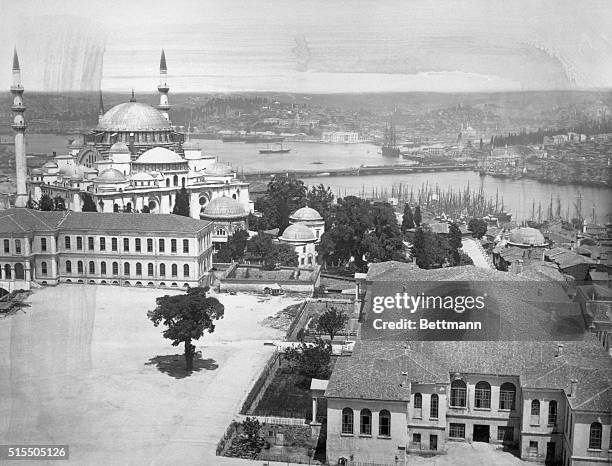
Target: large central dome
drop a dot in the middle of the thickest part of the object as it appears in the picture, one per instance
(133, 116)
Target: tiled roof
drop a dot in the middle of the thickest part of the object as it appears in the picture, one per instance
(374, 371)
(26, 220)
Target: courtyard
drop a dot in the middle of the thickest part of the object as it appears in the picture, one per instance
(84, 366)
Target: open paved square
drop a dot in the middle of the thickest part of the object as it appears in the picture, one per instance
(84, 366)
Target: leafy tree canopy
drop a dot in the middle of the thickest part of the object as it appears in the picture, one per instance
(478, 227)
(311, 359)
(331, 322)
(88, 203)
(46, 203)
(234, 249)
(181, 204)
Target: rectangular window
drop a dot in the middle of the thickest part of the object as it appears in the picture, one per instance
(17, 246)
(533, 447)
(505, 434)
(162, 245)
(43, 244)
(7, 245)
(126, 244)
(90, 243)
(416, 440)
(114, 244)
(433, 442)
(79, 243)
(186, 246)
(482, 398)
(67, 242)
(149, 245)
(433, 412)
(172, 245)
(456, 430)
(506, 399)
(137, 245)
(102, 244)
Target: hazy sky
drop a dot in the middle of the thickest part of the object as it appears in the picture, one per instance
(311, 46)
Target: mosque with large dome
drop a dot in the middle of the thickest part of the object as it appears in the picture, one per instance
(135, 161)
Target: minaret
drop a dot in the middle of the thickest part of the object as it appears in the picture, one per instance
(163, 88)
(19, 126)
(101, 108)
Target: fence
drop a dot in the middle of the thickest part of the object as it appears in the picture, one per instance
(230, 432)
(260, 384)
(277, 420)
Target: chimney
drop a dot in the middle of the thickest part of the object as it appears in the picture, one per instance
(404, 382)
(573, 384)
(559, 350)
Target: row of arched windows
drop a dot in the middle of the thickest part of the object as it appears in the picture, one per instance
(19, 271)
(126, 268)
(482, 395)
(365, 422)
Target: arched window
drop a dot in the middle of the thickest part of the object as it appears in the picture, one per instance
(162, 270)
(68, 267)
(174, 270)
(167, 182)
(126, 268)
(80, 267)
(507, 395)
(458, 394)
(433, 406)
(175, 180)
(92, 267)
(7, 271)
(138, 268)
(150, 269)
(365, 422)
(384, 423)
(418, 405)
(552, 412)
(347, 421)
(483, 395)
(595, 436)
(535, 412)
(103, 268)
(185, 270)
(43, 268)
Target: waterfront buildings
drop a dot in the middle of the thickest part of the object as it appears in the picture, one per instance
(340, 137)
(103, 248)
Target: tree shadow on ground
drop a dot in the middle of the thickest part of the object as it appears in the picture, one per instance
(174, 364)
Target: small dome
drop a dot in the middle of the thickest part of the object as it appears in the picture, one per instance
(110, 175)
(298, 232)
(306, 214)
(527, 237)
(119, 148)
(36, 171)
(159, 155)
(191, 145)
(223, 208)
(133, 116)
(219, 169)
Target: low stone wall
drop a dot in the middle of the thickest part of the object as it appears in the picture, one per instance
(261, 384)
(227, 282)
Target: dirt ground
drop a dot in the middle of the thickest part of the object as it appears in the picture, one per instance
(84, 366)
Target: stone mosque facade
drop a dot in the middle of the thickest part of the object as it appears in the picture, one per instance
(134, 161)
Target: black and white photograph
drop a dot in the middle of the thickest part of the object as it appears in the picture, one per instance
(318, 232)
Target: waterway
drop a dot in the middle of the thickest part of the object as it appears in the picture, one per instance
(518, 195)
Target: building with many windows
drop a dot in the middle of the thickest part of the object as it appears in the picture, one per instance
(103, 248)
(548, 400)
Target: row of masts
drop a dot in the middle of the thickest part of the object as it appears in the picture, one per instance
(468, 202)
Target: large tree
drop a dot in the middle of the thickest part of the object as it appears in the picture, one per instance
(88, 203)
(408, 219)
(417, 216)
(284, 196)
(181, 203)
(321, 199)
(235, 247)
(478, 227)
(186, 317)
(331, 322)
(270, 253)
(311, 359)
(454, 236)
(59, 203)
(46, 203)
